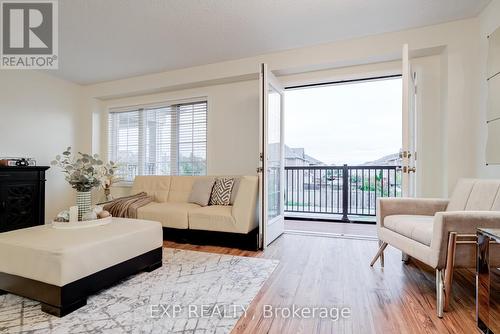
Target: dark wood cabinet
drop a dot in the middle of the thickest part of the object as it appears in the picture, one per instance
(22, 197)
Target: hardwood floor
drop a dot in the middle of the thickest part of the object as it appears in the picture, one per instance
(334, 272)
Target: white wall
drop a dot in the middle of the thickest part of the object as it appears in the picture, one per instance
(489, 21)
(40, 116)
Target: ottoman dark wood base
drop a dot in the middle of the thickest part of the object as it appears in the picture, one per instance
(62, 300)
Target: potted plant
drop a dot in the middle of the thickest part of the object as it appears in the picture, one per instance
(84, 172)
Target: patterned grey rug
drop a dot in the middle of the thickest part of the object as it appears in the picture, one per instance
(193, 292)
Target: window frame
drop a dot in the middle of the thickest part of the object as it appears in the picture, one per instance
(142, 111)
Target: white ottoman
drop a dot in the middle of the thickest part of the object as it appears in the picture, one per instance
(61, 267)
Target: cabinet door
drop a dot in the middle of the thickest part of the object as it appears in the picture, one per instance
(18, 206)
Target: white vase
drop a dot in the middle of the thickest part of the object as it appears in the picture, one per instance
(84, 202)
(107, 194)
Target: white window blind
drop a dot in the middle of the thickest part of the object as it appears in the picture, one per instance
(159, 140)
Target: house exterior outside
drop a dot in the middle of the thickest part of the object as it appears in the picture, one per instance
(296, 156)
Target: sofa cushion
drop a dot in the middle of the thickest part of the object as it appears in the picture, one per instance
(415, 227)
(234, 192)
(475, 195)
(460, 195)
(174, 215)
(483, 195)
(157, 186)
(180, 188)
(213, 218)
(201, 191)
(221, 193)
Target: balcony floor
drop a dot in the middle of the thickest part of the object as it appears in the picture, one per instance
(331, 228)
(327, 216)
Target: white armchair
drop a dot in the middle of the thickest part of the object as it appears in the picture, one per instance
(439, 232)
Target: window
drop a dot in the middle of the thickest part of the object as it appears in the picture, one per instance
(159, 140)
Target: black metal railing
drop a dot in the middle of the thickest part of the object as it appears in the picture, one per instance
(339, 190)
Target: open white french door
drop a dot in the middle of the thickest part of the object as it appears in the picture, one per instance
(408, 152)
(271, 169)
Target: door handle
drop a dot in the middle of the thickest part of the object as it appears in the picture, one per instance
(409, 170)
(404, 154)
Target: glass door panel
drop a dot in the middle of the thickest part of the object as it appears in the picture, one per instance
(274, 163)
(271, 169)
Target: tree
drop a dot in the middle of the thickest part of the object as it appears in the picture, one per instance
(192, 165)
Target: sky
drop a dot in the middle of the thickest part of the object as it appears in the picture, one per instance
(346, 123)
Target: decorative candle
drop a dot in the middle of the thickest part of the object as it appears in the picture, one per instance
(73, 214)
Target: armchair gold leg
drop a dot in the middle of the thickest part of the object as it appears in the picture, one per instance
(405, 258)
(439, 293)
(380, 253)
(382, 259)
(448, 273)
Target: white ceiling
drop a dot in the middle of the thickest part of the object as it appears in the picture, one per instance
(104, 40)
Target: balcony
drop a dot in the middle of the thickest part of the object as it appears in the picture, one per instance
(345, 193)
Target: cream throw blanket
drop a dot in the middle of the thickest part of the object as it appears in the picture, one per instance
(126, 207)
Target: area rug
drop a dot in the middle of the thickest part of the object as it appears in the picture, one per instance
(193, 292)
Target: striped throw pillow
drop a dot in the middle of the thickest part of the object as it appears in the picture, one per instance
(221, 192)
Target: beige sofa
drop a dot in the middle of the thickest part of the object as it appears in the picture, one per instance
(441, 232)
(171, 207)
